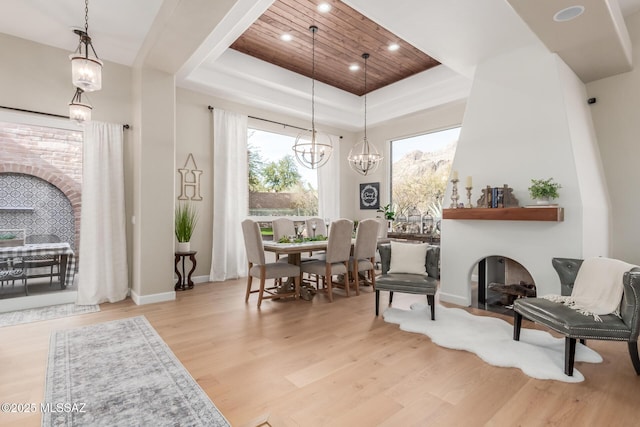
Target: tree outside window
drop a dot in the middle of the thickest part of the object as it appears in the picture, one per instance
(278, 185)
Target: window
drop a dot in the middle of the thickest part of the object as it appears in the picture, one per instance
(420, 167)
(278, 185)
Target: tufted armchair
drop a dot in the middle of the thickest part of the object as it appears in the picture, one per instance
(407, 282)
(574, 325)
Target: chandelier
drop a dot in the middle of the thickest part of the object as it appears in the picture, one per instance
(312, 147)
(363, 157)
(78, 110)
(86, 67)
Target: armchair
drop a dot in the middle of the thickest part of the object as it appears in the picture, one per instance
(425, 284)
(574, 325)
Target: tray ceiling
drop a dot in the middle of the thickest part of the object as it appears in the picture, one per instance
(343, 36)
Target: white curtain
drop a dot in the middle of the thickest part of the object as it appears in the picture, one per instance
(230, 195)
(103, 274)
(329, 184)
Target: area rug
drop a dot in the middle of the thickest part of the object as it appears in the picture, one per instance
(538, 354)
(121, 373)
(45, 313)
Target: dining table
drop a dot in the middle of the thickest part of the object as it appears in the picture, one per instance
(295, 250)
(62, 249)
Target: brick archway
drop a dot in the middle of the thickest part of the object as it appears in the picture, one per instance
(66, 185)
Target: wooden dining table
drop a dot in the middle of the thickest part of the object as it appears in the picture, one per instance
(295, 250)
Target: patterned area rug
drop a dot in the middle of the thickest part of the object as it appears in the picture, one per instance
(538, 354)
(45, 313)
(121, 373)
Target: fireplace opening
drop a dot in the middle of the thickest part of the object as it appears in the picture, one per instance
(497, 281)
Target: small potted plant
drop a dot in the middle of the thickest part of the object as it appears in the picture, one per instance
(544, 190)
(186, 219)
(389, 215)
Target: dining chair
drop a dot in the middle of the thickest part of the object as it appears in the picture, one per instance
(282, 227)
(262, 270)
(9, 272)
(364, 252)
(336, 260)
(41, 261)
(316, 227)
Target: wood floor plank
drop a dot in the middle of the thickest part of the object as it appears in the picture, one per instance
(312, 363)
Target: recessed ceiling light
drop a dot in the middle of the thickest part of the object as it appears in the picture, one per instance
(354, 67)
(393, 47)
(324, 7)
(286, 37)
(568, 14)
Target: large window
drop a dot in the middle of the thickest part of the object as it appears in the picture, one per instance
(278, 185)
(420, 167)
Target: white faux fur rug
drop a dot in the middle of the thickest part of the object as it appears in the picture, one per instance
(538, 354)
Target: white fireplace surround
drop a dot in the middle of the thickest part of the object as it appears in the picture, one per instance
(527, 118)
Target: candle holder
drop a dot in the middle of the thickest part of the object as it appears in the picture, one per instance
(468, 205)
(454, 194)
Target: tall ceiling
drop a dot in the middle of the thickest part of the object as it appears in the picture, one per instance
(192, 39)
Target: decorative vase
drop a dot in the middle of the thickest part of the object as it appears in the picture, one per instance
(543, 202)
(184, 247)
(390, 225)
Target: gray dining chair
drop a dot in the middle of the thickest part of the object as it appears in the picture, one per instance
(282, 227)
(364, 252)
(316, 227)
(262, 270)
(336, 260)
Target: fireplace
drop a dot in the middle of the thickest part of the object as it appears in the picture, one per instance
(498, 282)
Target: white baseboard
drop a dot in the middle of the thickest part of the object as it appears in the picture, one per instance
(153, 298)
(453, 299)
(200, 279)
(35, 301)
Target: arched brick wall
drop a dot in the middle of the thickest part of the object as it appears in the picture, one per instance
(66, 185)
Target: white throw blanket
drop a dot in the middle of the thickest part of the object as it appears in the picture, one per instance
(598, 287)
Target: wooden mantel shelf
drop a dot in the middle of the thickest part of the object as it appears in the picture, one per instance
(506, 214)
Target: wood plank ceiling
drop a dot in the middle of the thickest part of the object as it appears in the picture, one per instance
(343, 36)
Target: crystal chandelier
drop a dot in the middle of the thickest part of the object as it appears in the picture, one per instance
(86, 67)
(312, 147)
(363, 157)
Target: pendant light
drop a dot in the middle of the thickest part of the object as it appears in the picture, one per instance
(363, 157)
(86, 67)
(78, 110)
(312, 147)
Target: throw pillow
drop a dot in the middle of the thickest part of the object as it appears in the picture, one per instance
(408, 258)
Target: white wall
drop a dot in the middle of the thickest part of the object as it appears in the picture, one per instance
(617, 124)
(516, 127)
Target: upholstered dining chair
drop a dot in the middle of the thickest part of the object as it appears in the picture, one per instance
(316, 227)
(364, 251)
(262, 270)
(282, 227)
(336, 260)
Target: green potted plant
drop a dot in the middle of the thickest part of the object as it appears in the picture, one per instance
(186, 218)
(389, 215)
(544, 190)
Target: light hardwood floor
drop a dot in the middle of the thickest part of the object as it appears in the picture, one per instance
(300, 363)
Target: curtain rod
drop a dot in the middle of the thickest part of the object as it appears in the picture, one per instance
(210, 108)
(46, 114)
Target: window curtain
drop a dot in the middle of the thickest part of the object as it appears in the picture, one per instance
(103, 270)
(329, 184)
(230, 195)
